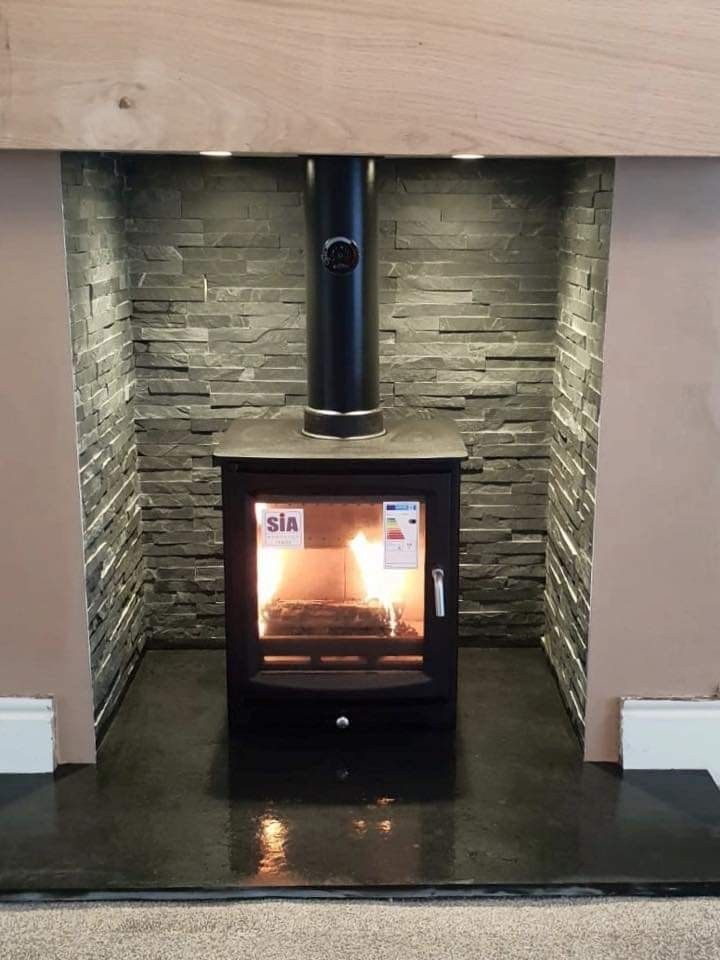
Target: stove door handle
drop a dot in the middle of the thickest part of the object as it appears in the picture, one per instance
(438, 575)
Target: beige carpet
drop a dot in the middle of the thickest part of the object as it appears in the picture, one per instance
(270, 930)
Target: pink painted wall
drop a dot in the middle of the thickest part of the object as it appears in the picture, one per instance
(43, 624)
(655, 610)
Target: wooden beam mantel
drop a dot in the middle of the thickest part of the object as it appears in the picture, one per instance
(420, 77)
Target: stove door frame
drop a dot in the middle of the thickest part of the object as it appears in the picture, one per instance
(298, 693)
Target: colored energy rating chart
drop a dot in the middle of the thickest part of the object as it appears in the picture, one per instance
(393, 531)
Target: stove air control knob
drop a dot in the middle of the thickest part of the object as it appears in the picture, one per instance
(342, 723)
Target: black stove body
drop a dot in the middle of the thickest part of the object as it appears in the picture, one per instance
(341, 528)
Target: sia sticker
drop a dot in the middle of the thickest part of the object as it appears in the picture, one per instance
(282, 528)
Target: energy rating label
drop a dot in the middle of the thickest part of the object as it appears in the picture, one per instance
(401, 521)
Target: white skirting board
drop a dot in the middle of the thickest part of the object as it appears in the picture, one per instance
(671, 735)
(27, 741)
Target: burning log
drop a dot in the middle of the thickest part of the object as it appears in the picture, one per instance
(325, 619)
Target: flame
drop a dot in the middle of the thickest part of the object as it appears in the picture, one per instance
(269, 572)
(381, 586)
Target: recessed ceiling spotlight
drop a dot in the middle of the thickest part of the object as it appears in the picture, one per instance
(215, 153)
(468, 156)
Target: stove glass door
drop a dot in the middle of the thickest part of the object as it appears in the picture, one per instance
(341, 583)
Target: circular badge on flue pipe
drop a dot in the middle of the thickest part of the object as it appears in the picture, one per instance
(340, 255)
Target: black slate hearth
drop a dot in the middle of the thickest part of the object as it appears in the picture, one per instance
(503, 804)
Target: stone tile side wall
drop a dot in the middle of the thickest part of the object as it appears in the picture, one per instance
(104, 384)
(468, 295)
(583, 263)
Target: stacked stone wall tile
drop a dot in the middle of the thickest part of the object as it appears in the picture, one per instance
(102, 344)
(583, 263)
(468, 294)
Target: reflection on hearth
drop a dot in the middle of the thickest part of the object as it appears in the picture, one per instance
(364, 784)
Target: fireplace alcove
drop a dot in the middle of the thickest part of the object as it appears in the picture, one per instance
(187, 293)
(186, 280)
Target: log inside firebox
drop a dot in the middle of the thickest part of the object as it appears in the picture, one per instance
(327, 619)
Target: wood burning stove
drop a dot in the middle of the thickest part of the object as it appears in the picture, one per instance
(341, 531)
(341, 572)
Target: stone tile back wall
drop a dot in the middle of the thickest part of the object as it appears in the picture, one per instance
(468, 306)
(583, 262)
(102, 346)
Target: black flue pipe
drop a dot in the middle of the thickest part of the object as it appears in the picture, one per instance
(342, 299)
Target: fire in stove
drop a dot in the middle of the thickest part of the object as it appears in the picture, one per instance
(269, 573)
(328, 594)
(382, 587)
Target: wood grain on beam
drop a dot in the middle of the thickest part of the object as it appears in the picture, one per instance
(430, 77)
